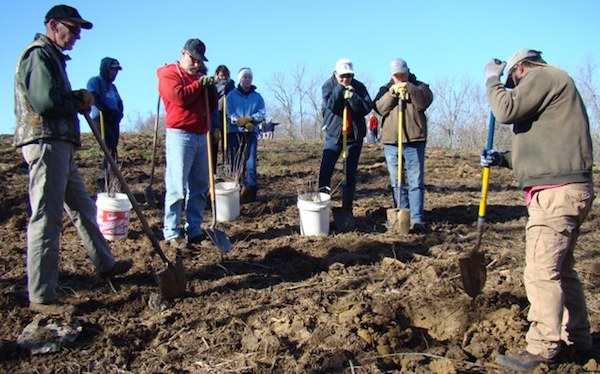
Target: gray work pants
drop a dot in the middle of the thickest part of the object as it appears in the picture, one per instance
(55, 184)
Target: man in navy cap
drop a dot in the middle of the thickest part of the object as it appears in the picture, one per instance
(185, 90)
(47, 131)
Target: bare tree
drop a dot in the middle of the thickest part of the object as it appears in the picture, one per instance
(588, 88)
(457, 116)
(297, 103)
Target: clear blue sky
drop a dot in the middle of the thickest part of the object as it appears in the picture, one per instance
(438, 38)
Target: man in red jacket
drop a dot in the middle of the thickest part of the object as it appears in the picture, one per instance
(183, 88)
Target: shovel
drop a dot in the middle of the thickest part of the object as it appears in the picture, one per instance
(398, 218)
(472, 264)
(171, 279)
(148, 192)
(343, 217)
(218, 237)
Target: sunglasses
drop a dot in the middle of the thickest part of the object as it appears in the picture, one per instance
(194, 60)
(347, 76)
(74, 30)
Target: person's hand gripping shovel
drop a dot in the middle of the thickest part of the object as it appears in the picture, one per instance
(343, 218)
(472, 264)
(398, 219)
(218, 237)
(148, 192)
(171, 279)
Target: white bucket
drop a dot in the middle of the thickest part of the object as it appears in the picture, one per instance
(227, 196)
(113, 215)
(314, 213)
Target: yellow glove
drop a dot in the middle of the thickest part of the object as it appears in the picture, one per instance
(85, 100)
(348, 92)
(242, 121)
(400, 89)
(206, 80)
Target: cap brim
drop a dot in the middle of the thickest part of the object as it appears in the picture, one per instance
(83, 23)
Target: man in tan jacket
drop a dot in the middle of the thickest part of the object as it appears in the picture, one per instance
(552, 160)
(404, 89)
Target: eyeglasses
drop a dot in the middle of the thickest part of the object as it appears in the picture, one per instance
(347, 76)
(194, 60)
(74, 30)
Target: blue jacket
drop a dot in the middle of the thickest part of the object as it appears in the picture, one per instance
(241, 104)
(359, 105)
(106, 96)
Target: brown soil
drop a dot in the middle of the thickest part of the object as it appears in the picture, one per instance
(368, 301)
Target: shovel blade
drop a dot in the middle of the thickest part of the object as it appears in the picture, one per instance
(472, 272)
(172, 280)
(343, 219)
(219, 239)
(150, 198)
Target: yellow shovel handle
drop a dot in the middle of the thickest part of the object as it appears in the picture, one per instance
(225, 122)
(345, 131)
(400, 133)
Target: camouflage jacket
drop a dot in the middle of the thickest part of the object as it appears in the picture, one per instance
(44, 104)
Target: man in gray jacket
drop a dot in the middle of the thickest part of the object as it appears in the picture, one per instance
(47, 131)
(552, 160)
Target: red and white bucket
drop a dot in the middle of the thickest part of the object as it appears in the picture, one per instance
(113, 215)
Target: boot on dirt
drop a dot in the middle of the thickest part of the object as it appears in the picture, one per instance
(53, 308)
(120, 267)
(525, 361)
(247, 195)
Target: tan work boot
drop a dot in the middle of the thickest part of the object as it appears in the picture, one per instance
(54, 308)
(120, 267)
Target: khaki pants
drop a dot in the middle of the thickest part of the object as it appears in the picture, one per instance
(558, 310)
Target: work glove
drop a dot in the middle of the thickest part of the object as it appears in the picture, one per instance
(400, 89)
(242, 121)
(249, 126)
(494, 68)
(84, 99)
(490, 158)
(348, 92)
(205, 80)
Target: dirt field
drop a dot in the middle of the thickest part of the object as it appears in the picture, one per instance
(362, 302)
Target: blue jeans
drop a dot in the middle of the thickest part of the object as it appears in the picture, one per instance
(245, 144)
(414, 169)
(331, 153)
(186, 180)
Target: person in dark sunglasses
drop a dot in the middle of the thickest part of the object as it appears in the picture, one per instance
(47, 131)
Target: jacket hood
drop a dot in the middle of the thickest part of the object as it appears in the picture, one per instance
(105, 68)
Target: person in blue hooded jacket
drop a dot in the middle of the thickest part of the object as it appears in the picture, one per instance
(339, 92)
(108, 101)
(245, 109)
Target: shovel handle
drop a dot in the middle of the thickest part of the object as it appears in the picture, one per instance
(154, 140)
(211, 179)
(400, 146)
(485, 178)
(224, 126)
(127, 190)
(345, 131)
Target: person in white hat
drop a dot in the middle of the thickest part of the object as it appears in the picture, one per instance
(339, 92)
(404, 89)
(552, 160)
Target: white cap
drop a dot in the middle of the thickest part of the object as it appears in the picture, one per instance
(344, 66)
(398, 66)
